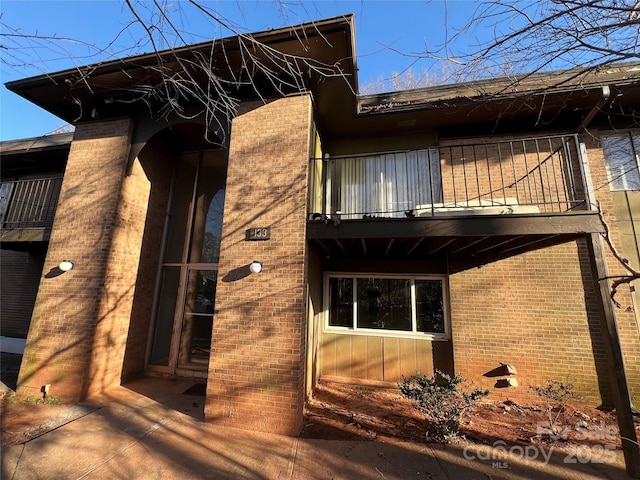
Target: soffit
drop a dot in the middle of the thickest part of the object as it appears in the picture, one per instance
(535, 103)
(471, 241)
(111, 88)
(30, 156)
(26, 145)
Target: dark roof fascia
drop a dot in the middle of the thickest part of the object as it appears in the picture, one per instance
(560, 82)
(36, 144)
(270, 37)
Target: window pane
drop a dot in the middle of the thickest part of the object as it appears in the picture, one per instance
(164, 316)
(622, 162)
(341, 302)
(429, 306)
(385, 185)
(207, 228)
(384, 303)
(195, 342)
(180, 212)
(207, 221)
(201, 291)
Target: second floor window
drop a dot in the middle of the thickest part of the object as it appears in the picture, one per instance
(622, 160)
(385, 185)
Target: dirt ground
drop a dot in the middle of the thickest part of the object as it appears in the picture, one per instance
(346, 412)
(22, 421)
(340, 411)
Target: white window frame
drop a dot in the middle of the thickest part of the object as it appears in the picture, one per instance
(378, 332)
(617, 181)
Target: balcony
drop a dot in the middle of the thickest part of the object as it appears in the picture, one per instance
(501, 198)
(27, 208)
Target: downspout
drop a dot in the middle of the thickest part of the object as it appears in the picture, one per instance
(589, 192)
(606, 93)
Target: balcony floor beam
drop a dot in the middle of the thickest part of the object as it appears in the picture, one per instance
(472, 226)
(25, 234)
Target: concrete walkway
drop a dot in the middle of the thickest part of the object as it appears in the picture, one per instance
(133, 434)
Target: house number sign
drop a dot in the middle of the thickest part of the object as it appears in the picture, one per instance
(259, 233)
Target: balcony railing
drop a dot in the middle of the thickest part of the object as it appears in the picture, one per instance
(532, 175)
(29, 203)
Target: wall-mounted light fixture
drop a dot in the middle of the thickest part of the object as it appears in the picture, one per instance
(66, 265)
(255, 267)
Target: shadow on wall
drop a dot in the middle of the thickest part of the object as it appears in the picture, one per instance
(174, 443)
(156, 160)
(595, 331)
(237, 274)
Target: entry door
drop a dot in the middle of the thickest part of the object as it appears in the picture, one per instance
(184, 304)
(197, 318)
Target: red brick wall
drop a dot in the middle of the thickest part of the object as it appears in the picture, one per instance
(535, 311)
(119, 282)
(529, 171)
(157, 161)
(20, 279)
(80, 320)
(256, 372)
(538, 312)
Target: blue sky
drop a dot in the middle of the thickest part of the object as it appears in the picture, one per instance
(383, 28)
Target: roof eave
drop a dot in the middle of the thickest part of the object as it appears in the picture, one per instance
(28, 87)
(501, 89)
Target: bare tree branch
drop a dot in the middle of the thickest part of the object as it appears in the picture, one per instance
(619, 280)
(532, 35)
(175, 81)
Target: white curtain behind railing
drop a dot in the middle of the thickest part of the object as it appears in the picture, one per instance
(386, 185)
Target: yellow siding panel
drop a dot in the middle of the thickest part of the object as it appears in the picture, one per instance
(381, 359)
(375, 367)
(343, 355)
(359, 357)
(391, 352)
(407, 354)
(424, 357)
(328, 354)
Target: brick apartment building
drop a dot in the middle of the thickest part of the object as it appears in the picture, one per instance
(442, 228)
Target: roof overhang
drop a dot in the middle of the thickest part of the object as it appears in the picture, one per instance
(46, 154)
(560, 100)
(320, 55)
(324, 55)
(36, 144)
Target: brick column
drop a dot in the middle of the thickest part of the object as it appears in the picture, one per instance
(256, 372)
(80, 319)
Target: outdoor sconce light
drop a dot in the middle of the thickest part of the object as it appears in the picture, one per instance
(66, 265)
(255, 267)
